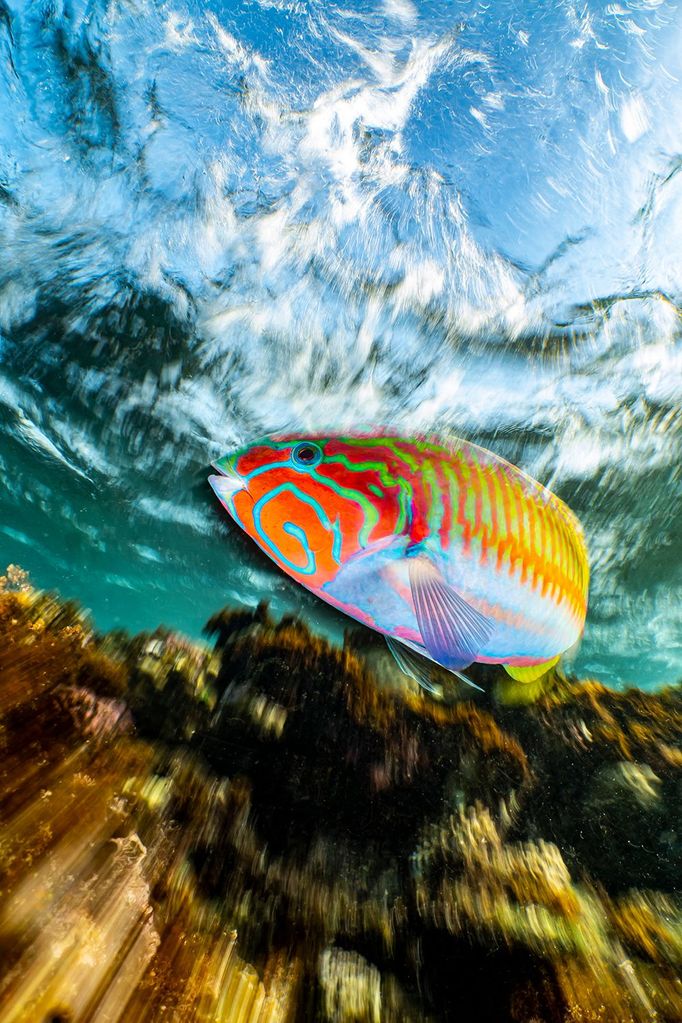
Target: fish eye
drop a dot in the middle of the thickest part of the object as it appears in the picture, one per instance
(306, 454)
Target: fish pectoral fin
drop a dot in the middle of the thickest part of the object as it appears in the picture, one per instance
(419, 668)
(531, 672)
(452, 631)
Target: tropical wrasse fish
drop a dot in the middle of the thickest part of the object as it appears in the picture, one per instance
(454, 554)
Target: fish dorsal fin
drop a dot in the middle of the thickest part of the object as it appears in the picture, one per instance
(532, 671)
(417, 666)
(452, 631)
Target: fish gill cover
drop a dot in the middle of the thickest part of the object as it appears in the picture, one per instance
(219, 220)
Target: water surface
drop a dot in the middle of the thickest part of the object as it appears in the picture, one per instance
(219, 220)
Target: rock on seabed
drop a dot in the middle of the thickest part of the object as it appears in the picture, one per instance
(273, 829)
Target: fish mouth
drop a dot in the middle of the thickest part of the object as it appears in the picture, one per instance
(227, 483)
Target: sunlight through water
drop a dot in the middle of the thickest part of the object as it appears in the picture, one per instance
(219, 221)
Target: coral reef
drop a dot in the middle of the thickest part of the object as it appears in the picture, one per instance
(275, 829)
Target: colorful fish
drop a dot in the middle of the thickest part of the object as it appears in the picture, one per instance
(448, 550)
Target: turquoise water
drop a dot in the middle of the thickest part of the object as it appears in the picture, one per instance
(222, 220)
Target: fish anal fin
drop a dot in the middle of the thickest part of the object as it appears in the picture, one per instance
(531, 672)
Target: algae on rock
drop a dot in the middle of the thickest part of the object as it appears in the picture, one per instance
(262, 830)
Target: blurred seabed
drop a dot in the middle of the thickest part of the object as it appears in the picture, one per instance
(275, 829)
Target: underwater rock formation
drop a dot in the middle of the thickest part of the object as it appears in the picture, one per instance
(275, 829)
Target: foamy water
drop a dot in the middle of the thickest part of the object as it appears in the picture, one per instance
(221, 221)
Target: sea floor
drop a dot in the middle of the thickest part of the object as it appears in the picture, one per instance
(270, 828)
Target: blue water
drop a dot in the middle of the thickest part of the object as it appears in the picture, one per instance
(220, 220)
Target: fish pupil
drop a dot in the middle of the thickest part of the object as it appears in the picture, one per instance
(306, 454)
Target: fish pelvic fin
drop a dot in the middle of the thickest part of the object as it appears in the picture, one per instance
(420, 668)
(412, 665)
(532, 672)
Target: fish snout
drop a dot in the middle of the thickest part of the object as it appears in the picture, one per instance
(228, 482)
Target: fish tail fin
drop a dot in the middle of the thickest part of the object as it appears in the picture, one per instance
(532, 672)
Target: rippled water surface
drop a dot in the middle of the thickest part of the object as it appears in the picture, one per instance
(220, 220)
